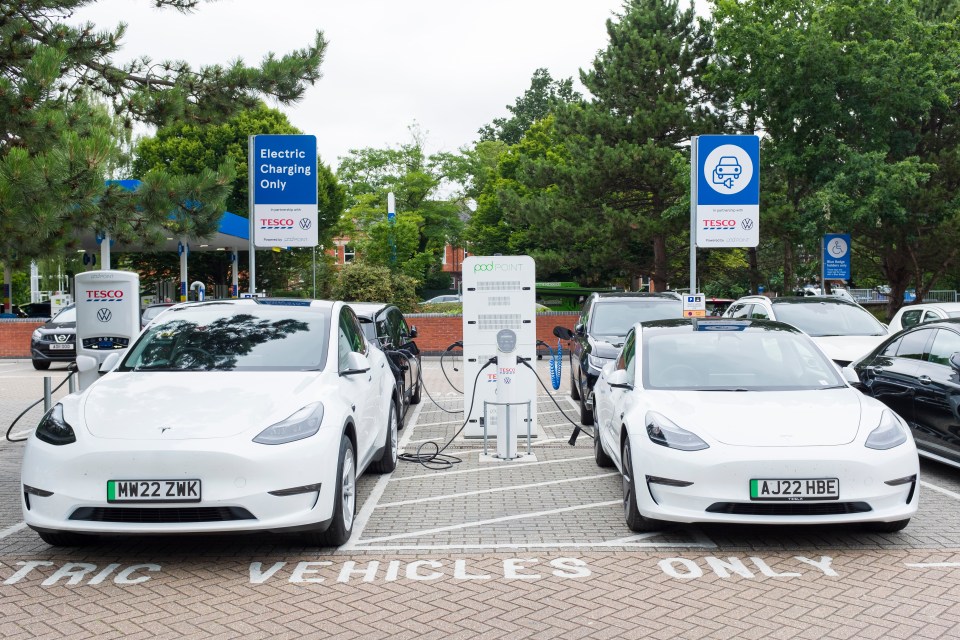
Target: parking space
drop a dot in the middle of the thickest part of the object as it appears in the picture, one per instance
(527, 548)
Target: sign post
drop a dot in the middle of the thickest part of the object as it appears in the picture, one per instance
(283, 193)
(835, 264)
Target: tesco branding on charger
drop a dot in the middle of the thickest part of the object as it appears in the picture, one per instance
(108, 311)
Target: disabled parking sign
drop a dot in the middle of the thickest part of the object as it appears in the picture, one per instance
(727, 191)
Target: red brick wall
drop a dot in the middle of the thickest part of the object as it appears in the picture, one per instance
(436, 332)
(15, 337)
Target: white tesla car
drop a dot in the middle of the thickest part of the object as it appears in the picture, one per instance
(747, 421)
(224, 416)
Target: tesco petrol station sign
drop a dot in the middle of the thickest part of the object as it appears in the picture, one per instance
(727, 191)
(283, 183)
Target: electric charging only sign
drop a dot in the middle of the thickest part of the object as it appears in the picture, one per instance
(283, 181)
(728, 191)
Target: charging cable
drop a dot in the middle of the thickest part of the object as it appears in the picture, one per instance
(458, 343)
(577, 428)
(436, 459)
(24, 412)
(556, 363)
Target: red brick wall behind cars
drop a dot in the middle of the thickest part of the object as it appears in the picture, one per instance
(15, 337)
(436, 332)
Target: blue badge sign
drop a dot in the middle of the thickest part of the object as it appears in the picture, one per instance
(728, 191)
(836, 256)
(283, 176)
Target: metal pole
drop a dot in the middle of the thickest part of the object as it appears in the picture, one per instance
(314, 272)
(47, 393)
(250, 215)
(693, 213)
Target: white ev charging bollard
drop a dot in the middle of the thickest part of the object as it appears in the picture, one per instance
(108, 312)
(507, 381)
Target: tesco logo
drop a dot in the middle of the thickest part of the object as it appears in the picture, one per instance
(719, 223)
(104, 293)
(276, 222)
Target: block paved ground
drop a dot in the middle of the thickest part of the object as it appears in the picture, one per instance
(484, 550)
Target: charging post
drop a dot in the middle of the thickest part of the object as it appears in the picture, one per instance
(108, 315)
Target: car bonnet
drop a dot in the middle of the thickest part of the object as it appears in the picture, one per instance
(186, 404)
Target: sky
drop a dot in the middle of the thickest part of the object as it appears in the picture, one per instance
(446, 66)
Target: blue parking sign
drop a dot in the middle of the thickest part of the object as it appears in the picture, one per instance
(727, 190)
(836, 256)
(283, 175)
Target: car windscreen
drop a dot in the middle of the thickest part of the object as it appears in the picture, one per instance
(152, 312)
(228, 338)
(68, 314)
(759, 359)
(829, 319)
(616, 317)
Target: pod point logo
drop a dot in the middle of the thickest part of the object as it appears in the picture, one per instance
(104, 315)
(305, 223)
(747, 223)
(494, 266)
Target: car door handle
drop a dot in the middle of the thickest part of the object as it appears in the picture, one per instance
(924, 379)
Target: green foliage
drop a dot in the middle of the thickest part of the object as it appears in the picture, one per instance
(359, 282)
(534, 105)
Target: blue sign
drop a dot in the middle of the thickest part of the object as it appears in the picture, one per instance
(283, 169)
(728, 191)
(836, 256)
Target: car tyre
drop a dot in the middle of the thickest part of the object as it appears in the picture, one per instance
(41, 365)
(344, 503)
(388, 461)
(415, 398)
(631, 512)
(64, 538)
(586, 415)
(574, 387)
(603, 460)
(887, 527)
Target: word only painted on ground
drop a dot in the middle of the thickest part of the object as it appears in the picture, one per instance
(82, 573)
(421, 570)
(687, 569)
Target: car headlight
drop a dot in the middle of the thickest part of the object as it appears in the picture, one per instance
(302, 424)
(596, 362)
(53, 429)
(35, 336)
(889, 434)
(666, 434)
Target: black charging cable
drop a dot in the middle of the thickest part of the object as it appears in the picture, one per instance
(458, 343)
(24, 412)
(437, 460)
(577, 427)
(404, 353)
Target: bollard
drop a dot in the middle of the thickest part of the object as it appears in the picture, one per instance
(47, 393)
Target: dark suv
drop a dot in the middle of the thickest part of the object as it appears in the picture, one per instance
(603, 324)
(384, 326)
(55, 341)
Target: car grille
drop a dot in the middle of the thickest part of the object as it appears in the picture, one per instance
(789, 509)
(152, 515)
(65, 338)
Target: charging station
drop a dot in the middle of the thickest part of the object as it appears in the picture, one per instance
(499, 299)
(108, 312)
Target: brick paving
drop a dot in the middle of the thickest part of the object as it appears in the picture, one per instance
(485, 550)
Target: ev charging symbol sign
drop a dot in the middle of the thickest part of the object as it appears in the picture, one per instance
(728, 169)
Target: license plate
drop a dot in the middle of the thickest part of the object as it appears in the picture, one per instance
(805, 489)
(153, 491)
(57, 345)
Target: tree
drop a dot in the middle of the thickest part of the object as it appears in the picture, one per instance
(59, 140)
(534, 105)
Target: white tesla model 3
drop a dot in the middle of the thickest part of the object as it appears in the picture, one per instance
(747, 421)
(224, 416)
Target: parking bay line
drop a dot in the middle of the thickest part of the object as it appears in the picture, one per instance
(495, 468)
(540, 545)
(932, 565)
(494, 490)
(11, 530)
(480, 523)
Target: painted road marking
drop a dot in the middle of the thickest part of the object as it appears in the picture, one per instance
(946, 492)
(452, 496)
(480, 523)
(482, 469)
(932, 565)
(511, 546)
(11, 530)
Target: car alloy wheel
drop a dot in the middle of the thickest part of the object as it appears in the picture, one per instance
(348, 490)
(631, 512)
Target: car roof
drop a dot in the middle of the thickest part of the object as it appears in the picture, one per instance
(929, 305)
(718, 325)
(368, 309)
(798, 300)
(612, 295)
(944, 322)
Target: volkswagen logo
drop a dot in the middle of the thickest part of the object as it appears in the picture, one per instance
(104, 315)
(305, 223)
(747, 223)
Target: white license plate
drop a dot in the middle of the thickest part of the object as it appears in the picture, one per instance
(153, 491)
(794, 489)
(65, 346)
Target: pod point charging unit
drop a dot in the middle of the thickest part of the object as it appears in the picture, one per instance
(108, 316)
(500, 320)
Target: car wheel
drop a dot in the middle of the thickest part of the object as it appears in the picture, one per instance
(64, 538)
(631, 512)
(415, 398)
(603, 460)
(586, 415)
(41, 365)
(886, 527)
(388, 461)
(344, 503)
(574, 388)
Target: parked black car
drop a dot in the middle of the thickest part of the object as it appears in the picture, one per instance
(916, 372)
(385, 326)
(603, 324)
(55, 341)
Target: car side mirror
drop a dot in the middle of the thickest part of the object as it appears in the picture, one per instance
(413, 332)
(110, 362)
(851, 376)
(955, 360)
(356, 363)
(580, 330)
(618, 380)
(563, 333)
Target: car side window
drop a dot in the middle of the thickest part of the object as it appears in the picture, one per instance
(945, 344)
(627, 359)
(930, 316)
(759, 312)
(911, 318)
(912, 344)
(350, 337)
(891, 349)
(741, 310)
(396, 328)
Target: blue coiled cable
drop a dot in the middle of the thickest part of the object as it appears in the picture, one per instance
(556, 364)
